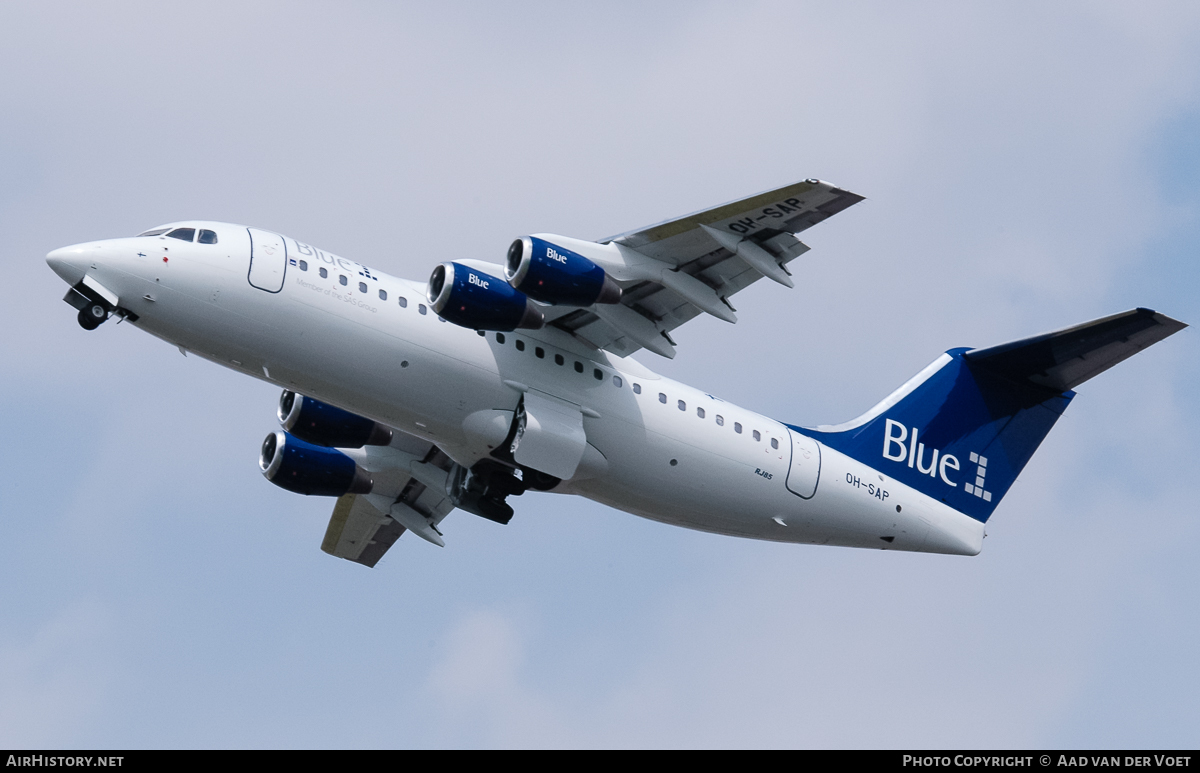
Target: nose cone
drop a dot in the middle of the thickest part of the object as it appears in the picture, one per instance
(68, 262)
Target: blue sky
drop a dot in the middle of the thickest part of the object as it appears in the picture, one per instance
(1027, 167)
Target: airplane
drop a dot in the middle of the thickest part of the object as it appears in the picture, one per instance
(405, 400)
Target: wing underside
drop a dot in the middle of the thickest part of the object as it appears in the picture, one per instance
(359, 530)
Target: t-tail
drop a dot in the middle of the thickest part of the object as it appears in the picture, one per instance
(962, 429)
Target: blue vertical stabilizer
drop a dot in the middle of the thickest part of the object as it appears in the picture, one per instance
(964, 428)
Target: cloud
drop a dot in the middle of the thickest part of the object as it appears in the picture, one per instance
(55, 677)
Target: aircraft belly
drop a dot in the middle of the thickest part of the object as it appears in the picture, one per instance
(659, 477)
(712, 490)
(416, 389)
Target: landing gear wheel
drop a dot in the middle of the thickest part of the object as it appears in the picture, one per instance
(494, 509)
(539, 481)
(92, 315)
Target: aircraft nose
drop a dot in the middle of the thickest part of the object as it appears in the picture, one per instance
(67, 262)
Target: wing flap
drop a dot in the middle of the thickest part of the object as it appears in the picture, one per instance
(790, 209)
(360, 531)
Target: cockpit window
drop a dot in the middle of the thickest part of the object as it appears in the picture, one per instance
(153, 232)
(186, 234)
(207, 236)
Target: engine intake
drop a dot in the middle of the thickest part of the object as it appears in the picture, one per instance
(480, 301)
(312, 470)
(556, 275)
(327, 425)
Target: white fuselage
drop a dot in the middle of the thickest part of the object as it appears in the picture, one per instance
(656, 448)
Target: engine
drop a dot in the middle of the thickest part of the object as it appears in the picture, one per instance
(480, 301)
(327, 425)
(558, 276)
(309, 469)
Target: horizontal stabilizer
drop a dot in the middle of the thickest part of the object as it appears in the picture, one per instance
(1064, 359)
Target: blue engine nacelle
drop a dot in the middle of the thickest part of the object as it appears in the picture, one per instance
(312, 470)
(326, 425)
(480, 301)
(552, 274)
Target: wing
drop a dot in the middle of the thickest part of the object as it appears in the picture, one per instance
(711, 255)
(364, 526)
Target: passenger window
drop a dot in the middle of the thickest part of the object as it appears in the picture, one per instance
(578, 366)
(342, 280)
(520, 345)
(757, 435)
(558, 359)
(774, 442)
(362, 287)
(304, 265)
(737, 427)
(383, 295)
(402, 299)
(599, 374)
(720, 420)
(481, 334)
(421, 308)
(499, 338)
(682, 405)
(324, 274)
(540, 352)
(207, 236)
(617, 381)
(662, 398)
(700, 412)
(637, 388)
(185, 234)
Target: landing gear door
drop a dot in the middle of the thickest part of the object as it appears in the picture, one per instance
(268, 260)
(550, 436)
(806, 465)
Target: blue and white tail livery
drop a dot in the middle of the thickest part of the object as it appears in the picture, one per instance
(962, 429)
(408, 400)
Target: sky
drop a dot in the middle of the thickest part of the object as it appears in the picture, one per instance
(1027, 166)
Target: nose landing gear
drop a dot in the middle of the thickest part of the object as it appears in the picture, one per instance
(92, 315)
(95, 304)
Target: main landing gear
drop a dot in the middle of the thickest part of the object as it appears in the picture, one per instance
(483, 488)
